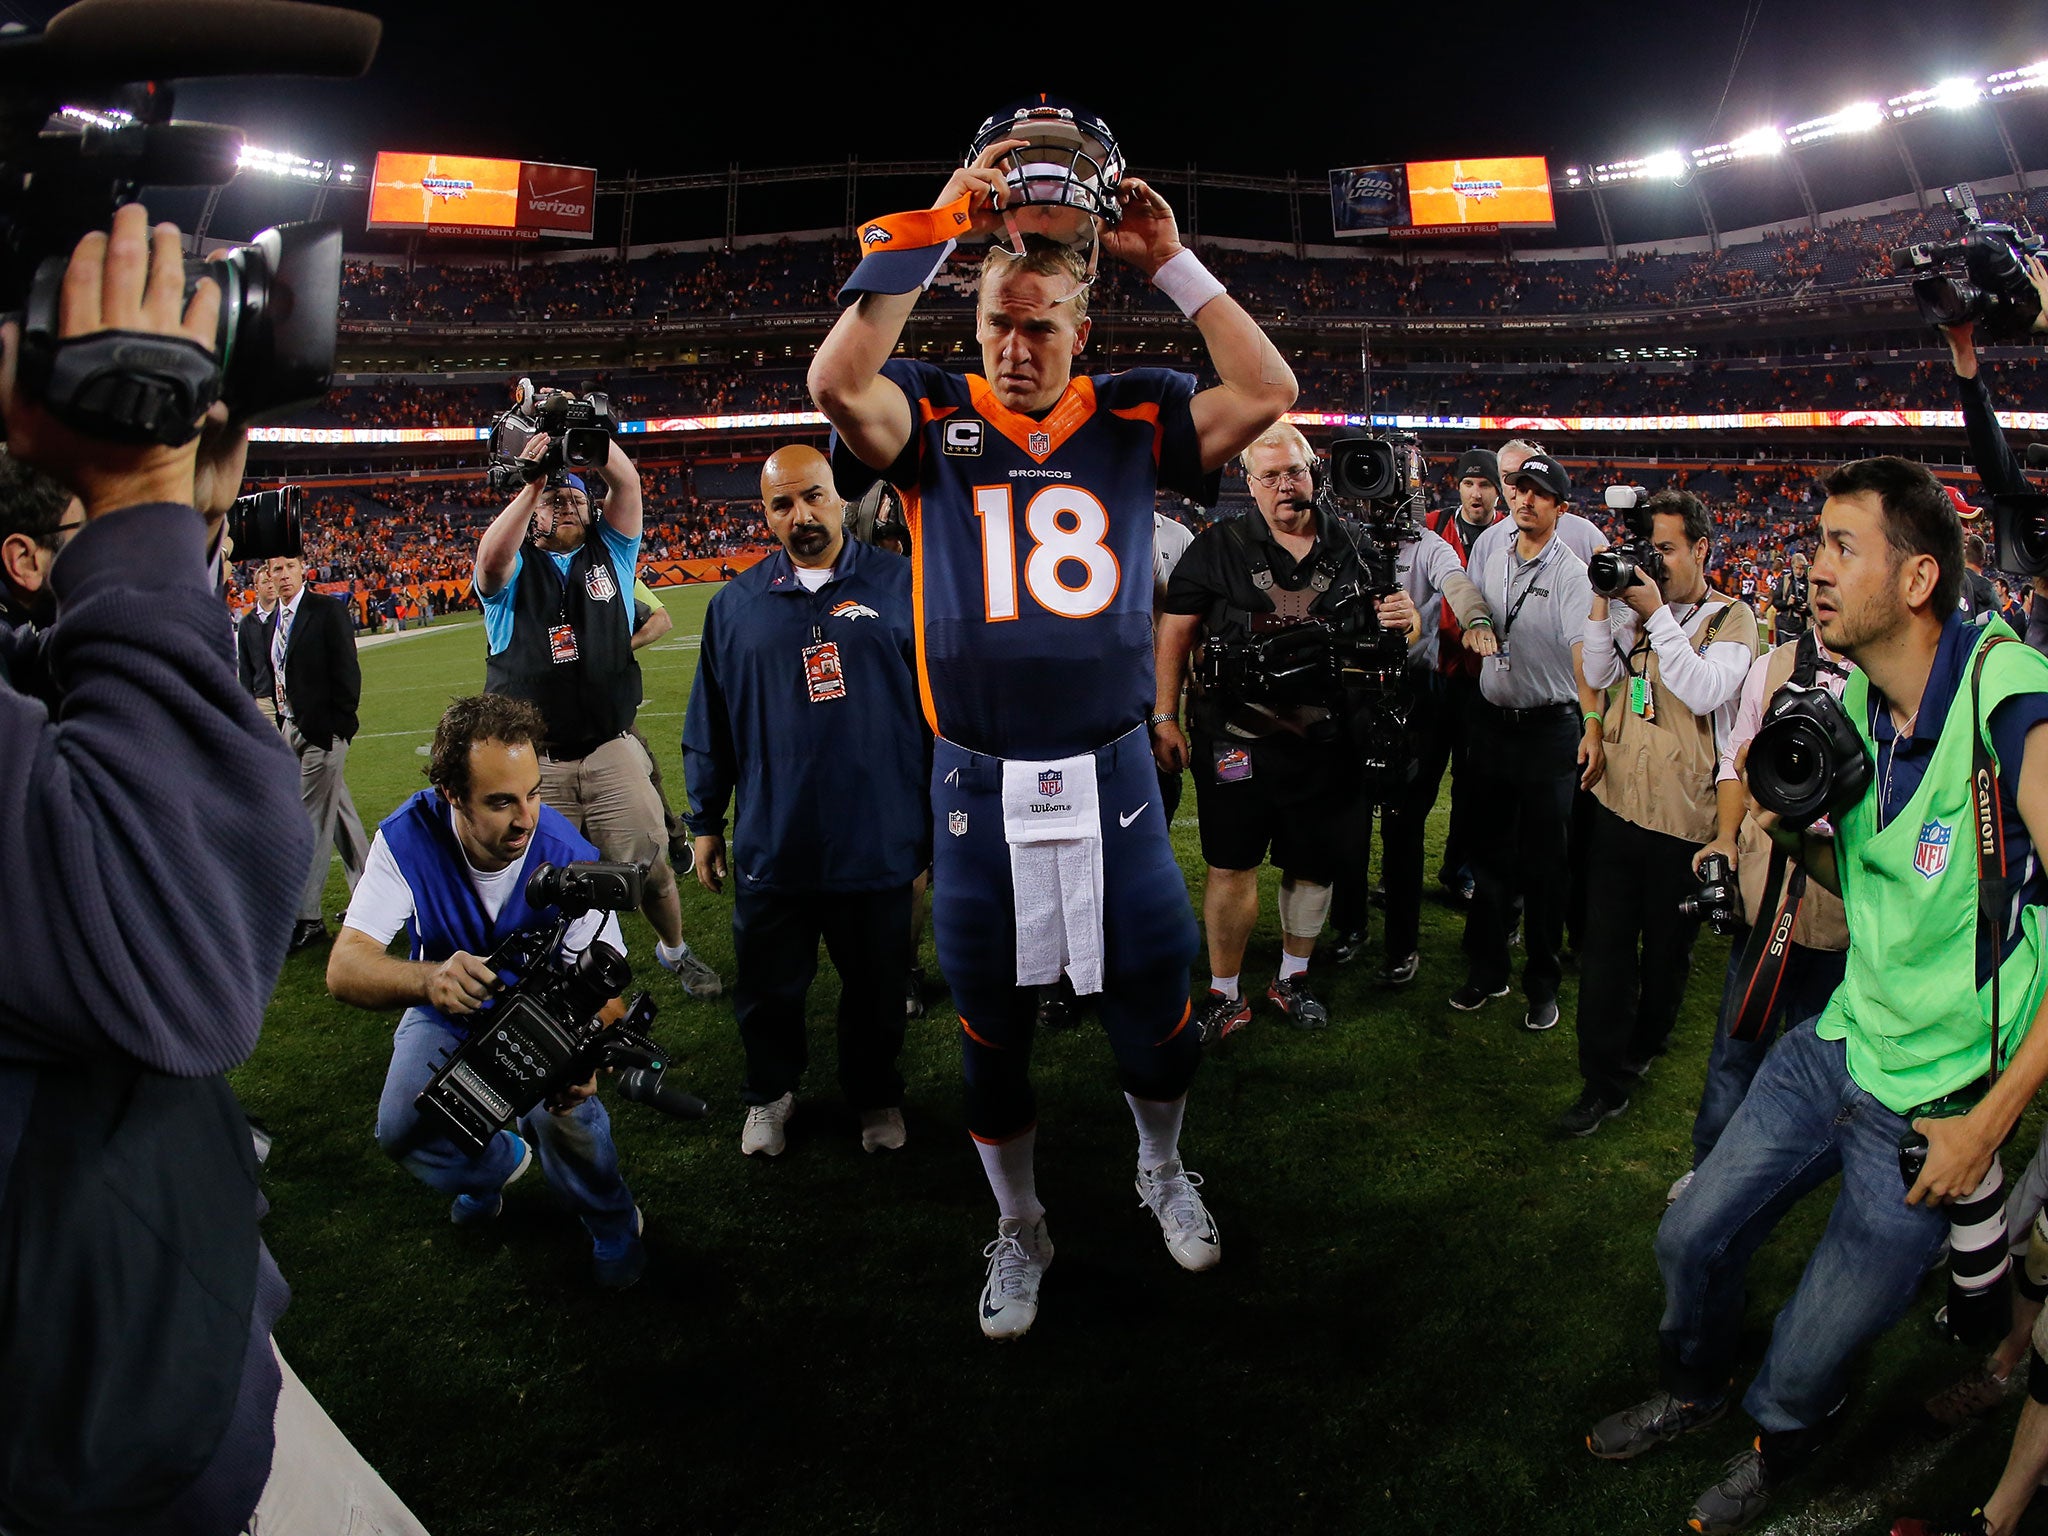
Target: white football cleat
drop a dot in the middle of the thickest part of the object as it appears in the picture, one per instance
(763, 1131)
(1017, 1262)
(1174, 1196)
(881, 1130)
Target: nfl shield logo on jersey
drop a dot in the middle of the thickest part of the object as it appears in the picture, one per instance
(1038, 444)
(1930, 854)
(1051, 783)
(598, 583)
(956, 823)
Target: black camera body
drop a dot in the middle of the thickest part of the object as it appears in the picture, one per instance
(1978, 277)
(1612, 570)
(1806, 760)
(579, 431)
(266, 524)
(544, 1034)
(2019, 527)
(1718, 901)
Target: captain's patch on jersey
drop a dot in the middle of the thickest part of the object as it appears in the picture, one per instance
(963, 438)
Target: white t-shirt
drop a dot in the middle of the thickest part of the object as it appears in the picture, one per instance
(811, 579)
(1170, 540)
(383, 903)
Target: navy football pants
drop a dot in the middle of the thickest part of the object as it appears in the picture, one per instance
(1148, 928)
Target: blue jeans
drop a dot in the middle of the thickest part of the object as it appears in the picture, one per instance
(1802, 1122)
(575, 1150)
(1810, 979)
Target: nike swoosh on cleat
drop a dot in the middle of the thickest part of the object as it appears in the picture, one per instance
(1124, 821)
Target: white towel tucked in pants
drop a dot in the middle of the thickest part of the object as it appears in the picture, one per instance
(1052, 820)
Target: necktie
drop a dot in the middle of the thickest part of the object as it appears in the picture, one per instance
(277, 648)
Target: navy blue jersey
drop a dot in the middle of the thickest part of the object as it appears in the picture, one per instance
(1031, 551)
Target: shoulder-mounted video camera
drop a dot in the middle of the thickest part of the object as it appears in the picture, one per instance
(1977, 277)
(1612, 570)
(543, 1033)
(579, 431)
(85, 126)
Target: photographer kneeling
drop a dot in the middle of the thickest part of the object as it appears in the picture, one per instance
(560, 632)
(450, 866)
(1929, 1045)
(1273, 758)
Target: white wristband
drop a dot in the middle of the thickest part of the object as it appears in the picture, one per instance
(1187, 282)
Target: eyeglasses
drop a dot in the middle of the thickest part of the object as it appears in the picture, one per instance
(1282, 476)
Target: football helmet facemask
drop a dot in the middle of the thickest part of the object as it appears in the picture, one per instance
(1066, 176)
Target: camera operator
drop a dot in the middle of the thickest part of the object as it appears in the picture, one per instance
(449, 868)
(560, 631)
(1934, 1030)
(1980, 597)
(1266, 776)
(1430, 572)
(152, 868)
(1671, 665)
(37, 519)
(1535, 736)
(1790, 596)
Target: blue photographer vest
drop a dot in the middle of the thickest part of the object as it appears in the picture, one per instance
(448, 915)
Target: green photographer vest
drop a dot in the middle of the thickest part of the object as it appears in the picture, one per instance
(1917, 1024)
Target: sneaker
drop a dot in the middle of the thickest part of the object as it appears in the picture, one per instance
(1290, 994)
(1629, 1433)
(1541, 1016)
(1017, 1262)
(1971, 1396)
(698, 979)
(1344, 947)
(881, 1130)
(1740, 1496)
(763, 1130)
(1398, 973)
(1679, 1186)
(618, 1266)
(913, 994)
(1174, 1196)
(306, 934)
(1220, 1017)
(1468, 997)
(474, 1211)
(1055, 1008)
(1593, 1110)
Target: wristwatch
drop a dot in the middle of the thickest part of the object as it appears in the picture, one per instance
(1153, 722)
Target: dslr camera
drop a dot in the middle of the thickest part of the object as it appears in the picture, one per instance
(1718, 901)
(543, 1034)
(1806, 760)
(1977, 276)
(579, 432)
(76, 143)
(1612, 570)
(266, 524)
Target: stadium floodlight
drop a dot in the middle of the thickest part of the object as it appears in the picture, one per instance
(2031, 78)
(1759, 141)
(1666, 165)
(1957, 93)
(1860, 118)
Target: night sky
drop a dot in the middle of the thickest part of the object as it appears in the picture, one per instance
(625, 88)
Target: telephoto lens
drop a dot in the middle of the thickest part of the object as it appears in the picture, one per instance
(1806, 760)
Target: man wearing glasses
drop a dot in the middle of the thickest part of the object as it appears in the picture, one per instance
(37, 518)
(1273, 767)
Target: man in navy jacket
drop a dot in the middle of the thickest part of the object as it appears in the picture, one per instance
(806, 704)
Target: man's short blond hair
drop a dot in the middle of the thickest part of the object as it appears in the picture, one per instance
(1281, 434)
(1042, 257)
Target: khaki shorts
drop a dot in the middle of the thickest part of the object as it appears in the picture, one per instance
(609, 797)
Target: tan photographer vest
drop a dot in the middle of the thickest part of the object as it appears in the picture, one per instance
(1660, 769)
(1821, 923)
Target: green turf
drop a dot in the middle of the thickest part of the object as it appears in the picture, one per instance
(1426, 1298)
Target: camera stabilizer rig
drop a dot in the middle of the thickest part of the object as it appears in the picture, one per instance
(546, 1032)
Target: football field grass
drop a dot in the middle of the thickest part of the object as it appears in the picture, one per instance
(1426, 1297)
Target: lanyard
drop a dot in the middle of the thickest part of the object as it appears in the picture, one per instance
(1507, 585)
(1642, 646)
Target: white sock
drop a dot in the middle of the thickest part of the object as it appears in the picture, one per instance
(1227, 985)
(671, 955)
(1158, 1129)
(1292, 965)
(1011, 1176)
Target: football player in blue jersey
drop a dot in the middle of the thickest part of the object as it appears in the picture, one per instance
(1029, 491)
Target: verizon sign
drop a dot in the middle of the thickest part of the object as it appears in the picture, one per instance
(468, 195)
(557, 199)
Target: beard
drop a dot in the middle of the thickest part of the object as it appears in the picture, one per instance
(809, 540)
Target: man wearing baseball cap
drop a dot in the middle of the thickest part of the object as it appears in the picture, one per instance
(558, 623)
(1535, 737)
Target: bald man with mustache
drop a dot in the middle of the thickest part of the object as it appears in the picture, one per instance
(805, 708)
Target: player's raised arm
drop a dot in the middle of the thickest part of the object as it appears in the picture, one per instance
(900, 256)
(1257, 386)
